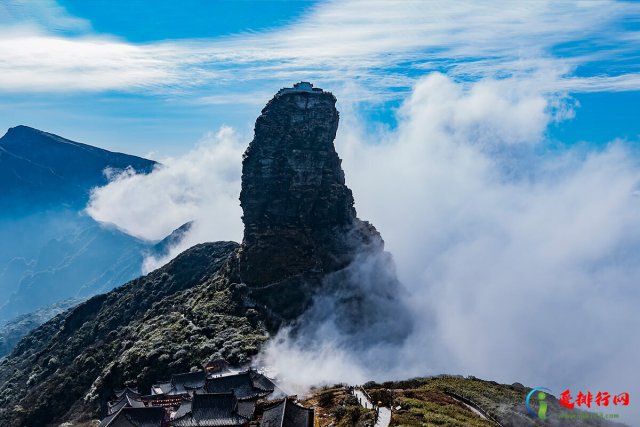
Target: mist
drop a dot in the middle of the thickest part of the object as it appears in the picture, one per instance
(520, 258)
(202, 186)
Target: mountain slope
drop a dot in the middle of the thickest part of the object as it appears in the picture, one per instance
(49, 249)
(167, 321)
(89, 260)
(12, 332)
(301, 229)
(446, 400)
(42, 170)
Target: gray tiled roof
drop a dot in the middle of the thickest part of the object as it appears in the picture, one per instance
(246, 408)
(129, 391)
(190, 381)
(161, 388)
(125, 401)
(287, 414)
(210, 410)
(181, 383)
(247, 385)
(135, 417)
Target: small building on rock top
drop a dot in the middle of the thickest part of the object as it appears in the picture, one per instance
(300, 87)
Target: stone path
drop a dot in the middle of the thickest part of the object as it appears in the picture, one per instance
(384, 414)
(384, 417)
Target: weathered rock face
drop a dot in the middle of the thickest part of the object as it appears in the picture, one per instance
(302, 239)
(298, 212)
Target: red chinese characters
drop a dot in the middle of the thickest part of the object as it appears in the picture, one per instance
(602, 399)
(586, 399)
(621, 399)
(565, 399)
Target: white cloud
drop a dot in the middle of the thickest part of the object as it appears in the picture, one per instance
(40, 13)
(203, 185)
(521, 266)
(48, 63)
(377, 45)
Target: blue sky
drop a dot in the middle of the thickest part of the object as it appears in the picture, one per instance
(137, 22)
(493, 144)
(143, 79)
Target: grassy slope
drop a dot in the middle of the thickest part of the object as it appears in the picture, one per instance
(426, 402)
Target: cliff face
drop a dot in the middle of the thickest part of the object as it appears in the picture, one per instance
(300, 222)
(302, 238)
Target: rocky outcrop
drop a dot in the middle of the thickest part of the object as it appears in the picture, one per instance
(299, 216)
(302, 242)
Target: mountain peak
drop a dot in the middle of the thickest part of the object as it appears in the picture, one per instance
(23, 128)
(294, 197)
(20, 133)
(299, 216)
(23, 134)
(39, 169)
(302, 239)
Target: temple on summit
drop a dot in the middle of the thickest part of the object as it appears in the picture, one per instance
(300, 87)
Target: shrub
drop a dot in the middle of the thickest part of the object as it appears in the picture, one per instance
(325, 399)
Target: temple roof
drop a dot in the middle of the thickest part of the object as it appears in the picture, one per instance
(188, 381)
(212, 409)
(181, 383)
(125, 401)
(161, 388)
(246, 385)
(246, 408)
(300, 87)
(129, 391)
(135, 417)
(287, 414)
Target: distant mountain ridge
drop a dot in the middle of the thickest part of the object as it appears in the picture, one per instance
(50, 250)
(40, 169)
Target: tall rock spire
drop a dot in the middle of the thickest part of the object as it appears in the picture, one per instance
(302, 238)
(298, 212)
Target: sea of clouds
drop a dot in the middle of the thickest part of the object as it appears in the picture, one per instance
(520, 257)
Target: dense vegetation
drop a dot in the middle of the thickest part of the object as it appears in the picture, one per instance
(13, 331)
(166, 322)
